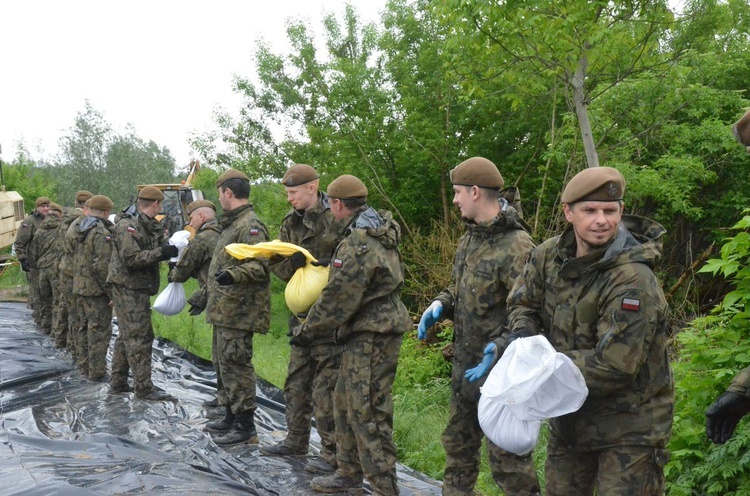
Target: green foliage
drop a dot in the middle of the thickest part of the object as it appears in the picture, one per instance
(31, 182)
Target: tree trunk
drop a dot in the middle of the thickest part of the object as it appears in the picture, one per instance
(579, 100)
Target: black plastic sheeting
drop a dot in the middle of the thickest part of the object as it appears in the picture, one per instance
(61, 434)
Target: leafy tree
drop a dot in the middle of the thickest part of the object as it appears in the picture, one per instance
(29, 179)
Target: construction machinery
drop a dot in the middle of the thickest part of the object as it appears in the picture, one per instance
(11, 213)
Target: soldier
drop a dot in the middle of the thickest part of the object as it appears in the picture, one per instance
(195, 262)
(93, 294)
(362, 307)
(239, 306)
(592, 292)
(134, 275)
(312, 370)
(726, 412)
(25, 234)
(490, 256)
(65, 315)
(43, 256)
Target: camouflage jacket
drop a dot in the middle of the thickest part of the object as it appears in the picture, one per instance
(25, 234)
(489, 258)
(68, 239)
(364, 283)
(246, 304)
(93, 257)
(607, 312)
(196, 259)
(42, 251)
(315, 229)
(741, 383)
(137, 252)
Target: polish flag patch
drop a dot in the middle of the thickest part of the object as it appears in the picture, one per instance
(131, 229)
(338, 263)
(254, 232)
(107, 238)
(631, 304)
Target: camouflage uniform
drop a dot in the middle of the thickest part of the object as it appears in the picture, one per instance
(313, 370)
(134, 275)
(43, 252)
(741, 383)
(94, 294)
(361, 302)
(239, 310)
(24, 236)
(195, 262)
(607, 312)
(64, 315)
(489, 258)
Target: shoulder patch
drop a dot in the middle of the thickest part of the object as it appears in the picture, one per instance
(131, 229)
(631, 304)
(108, 238)
(24, 224)
(254, 232)
(338, 263)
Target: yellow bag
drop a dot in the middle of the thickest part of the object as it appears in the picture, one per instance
(305, 286)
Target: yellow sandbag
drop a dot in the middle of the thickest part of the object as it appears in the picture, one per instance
(304, 288)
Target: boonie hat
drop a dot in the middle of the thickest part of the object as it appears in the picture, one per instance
(198, 204)
(151, 193)
(347, 186)
(231, 174)
(299, 174)
(595, 184)
(477, 171)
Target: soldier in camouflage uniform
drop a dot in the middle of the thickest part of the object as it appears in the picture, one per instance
(23, 239)
(239, 306)
(195, 262)
(726, 412)
(65, 316)
(489, 257)
(93, 294)
(361, 306)
(313, 370)
(43, 253)
(592, 292)
(139, 246)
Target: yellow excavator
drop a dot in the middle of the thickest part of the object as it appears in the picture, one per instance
(11, 215)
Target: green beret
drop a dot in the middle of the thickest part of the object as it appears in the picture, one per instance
(150, 193)
(299, 174)
(55, 206)
(42, 200)
(595, 184)
(477, 171)
(347, 186)
(231, 174)
(198, 204)
(100, 202)
(83, 195)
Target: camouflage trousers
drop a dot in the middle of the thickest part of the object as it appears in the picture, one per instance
(33, 277)
(135, 340)
(96, 333)
(221, 394)
(619, 471)
(462, 440)
(61, 311)
(46, 281)
(235, 366)
(310, 383)
(364, 410)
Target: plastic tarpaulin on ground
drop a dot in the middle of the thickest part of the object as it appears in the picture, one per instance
(61, 434)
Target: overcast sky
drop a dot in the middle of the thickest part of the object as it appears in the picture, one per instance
(161, 65)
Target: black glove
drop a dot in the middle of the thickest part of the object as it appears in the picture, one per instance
(518, 333)
(724, 415)
(323, 262)
(171, 265)
(195, 310)
(300, 337)
(298, 260)
(169, 251)
(25, 265)
(224, 278)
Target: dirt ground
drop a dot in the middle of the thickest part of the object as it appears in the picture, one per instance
(18, 293)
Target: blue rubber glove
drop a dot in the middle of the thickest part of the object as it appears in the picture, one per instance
(429, 317)
(484, 366)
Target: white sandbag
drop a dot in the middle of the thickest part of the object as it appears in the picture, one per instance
(506, 430)
(179, 239)
(171, 300)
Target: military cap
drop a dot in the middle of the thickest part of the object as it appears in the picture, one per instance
(299, 174)
(83, 196)
(55, 206)
(231, 174)
(150, 193)
(42, 200)
(347, 186)
(595, 184)
(477, 171)
(198, 204)
(100, 202)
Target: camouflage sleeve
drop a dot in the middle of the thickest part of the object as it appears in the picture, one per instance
(627, 324)
(23, 238)
(70, 238)
(741, 383)
(525, 297)
(191, 261)
(283, 269)
(342, 296)
(133, 256)
(101, 256)
(251, 270)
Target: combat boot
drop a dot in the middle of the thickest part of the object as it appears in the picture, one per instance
(282, 449)
(222, 425)
(243, 430)
(211, 403)
(319, 466)
(337, 483)
(156, 394)
(120, 388)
